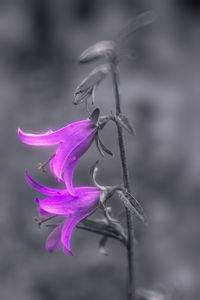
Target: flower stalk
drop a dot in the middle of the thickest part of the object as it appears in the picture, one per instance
(126, 181)
(72, 205)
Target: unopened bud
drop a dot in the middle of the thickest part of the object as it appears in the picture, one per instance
(86, 87)
(103, 49)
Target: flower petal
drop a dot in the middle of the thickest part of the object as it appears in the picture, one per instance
(43, 189)
(58, 205)
(53, 242)
(67, 204)
(68, 154)
(71, 161)
(51, 137)
(68, 228)
(88, 197)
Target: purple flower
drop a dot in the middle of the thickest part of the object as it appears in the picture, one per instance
(72, 140)
(73, 208)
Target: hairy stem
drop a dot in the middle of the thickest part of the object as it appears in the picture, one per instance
(126, 180)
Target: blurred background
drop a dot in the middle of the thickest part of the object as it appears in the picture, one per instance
(39, 45)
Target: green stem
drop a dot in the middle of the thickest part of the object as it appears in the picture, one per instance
(126, 180)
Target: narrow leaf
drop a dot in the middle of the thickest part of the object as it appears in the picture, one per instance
(134, 201)
(132, 205)
(124, 123)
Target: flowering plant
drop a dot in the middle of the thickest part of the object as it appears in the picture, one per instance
(72, 205)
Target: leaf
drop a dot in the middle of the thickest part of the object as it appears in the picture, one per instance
(106, 49)
(132, 205)
(94, 117)
(124, 123)
(102, 244)
(105, 149)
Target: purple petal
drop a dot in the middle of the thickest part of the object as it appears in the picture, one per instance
(71, 161)
(68, 154)
(46, 139)
(88, 197)
(43, 189)
(68, 228)
(66, 204)
(58, 205)
(53, 242)
(52, 137)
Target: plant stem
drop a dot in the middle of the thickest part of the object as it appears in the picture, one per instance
(126, 181)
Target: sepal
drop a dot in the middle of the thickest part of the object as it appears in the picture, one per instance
(101, 147)
(94, 117)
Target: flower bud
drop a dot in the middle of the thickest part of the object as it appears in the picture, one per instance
(106, 49)
(86, 88)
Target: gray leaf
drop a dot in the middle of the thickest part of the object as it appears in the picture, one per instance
(132, 205)
(124, 123)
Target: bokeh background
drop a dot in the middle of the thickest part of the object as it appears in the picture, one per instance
(39, 45)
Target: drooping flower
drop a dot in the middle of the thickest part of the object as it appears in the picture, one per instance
(72, 140)
(73, 208)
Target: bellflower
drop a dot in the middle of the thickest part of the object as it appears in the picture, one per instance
(72, 140)
(73, 208)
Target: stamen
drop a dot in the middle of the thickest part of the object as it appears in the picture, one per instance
(41, 166)
(41, 221)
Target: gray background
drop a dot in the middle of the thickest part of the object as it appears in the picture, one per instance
(39, 45)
